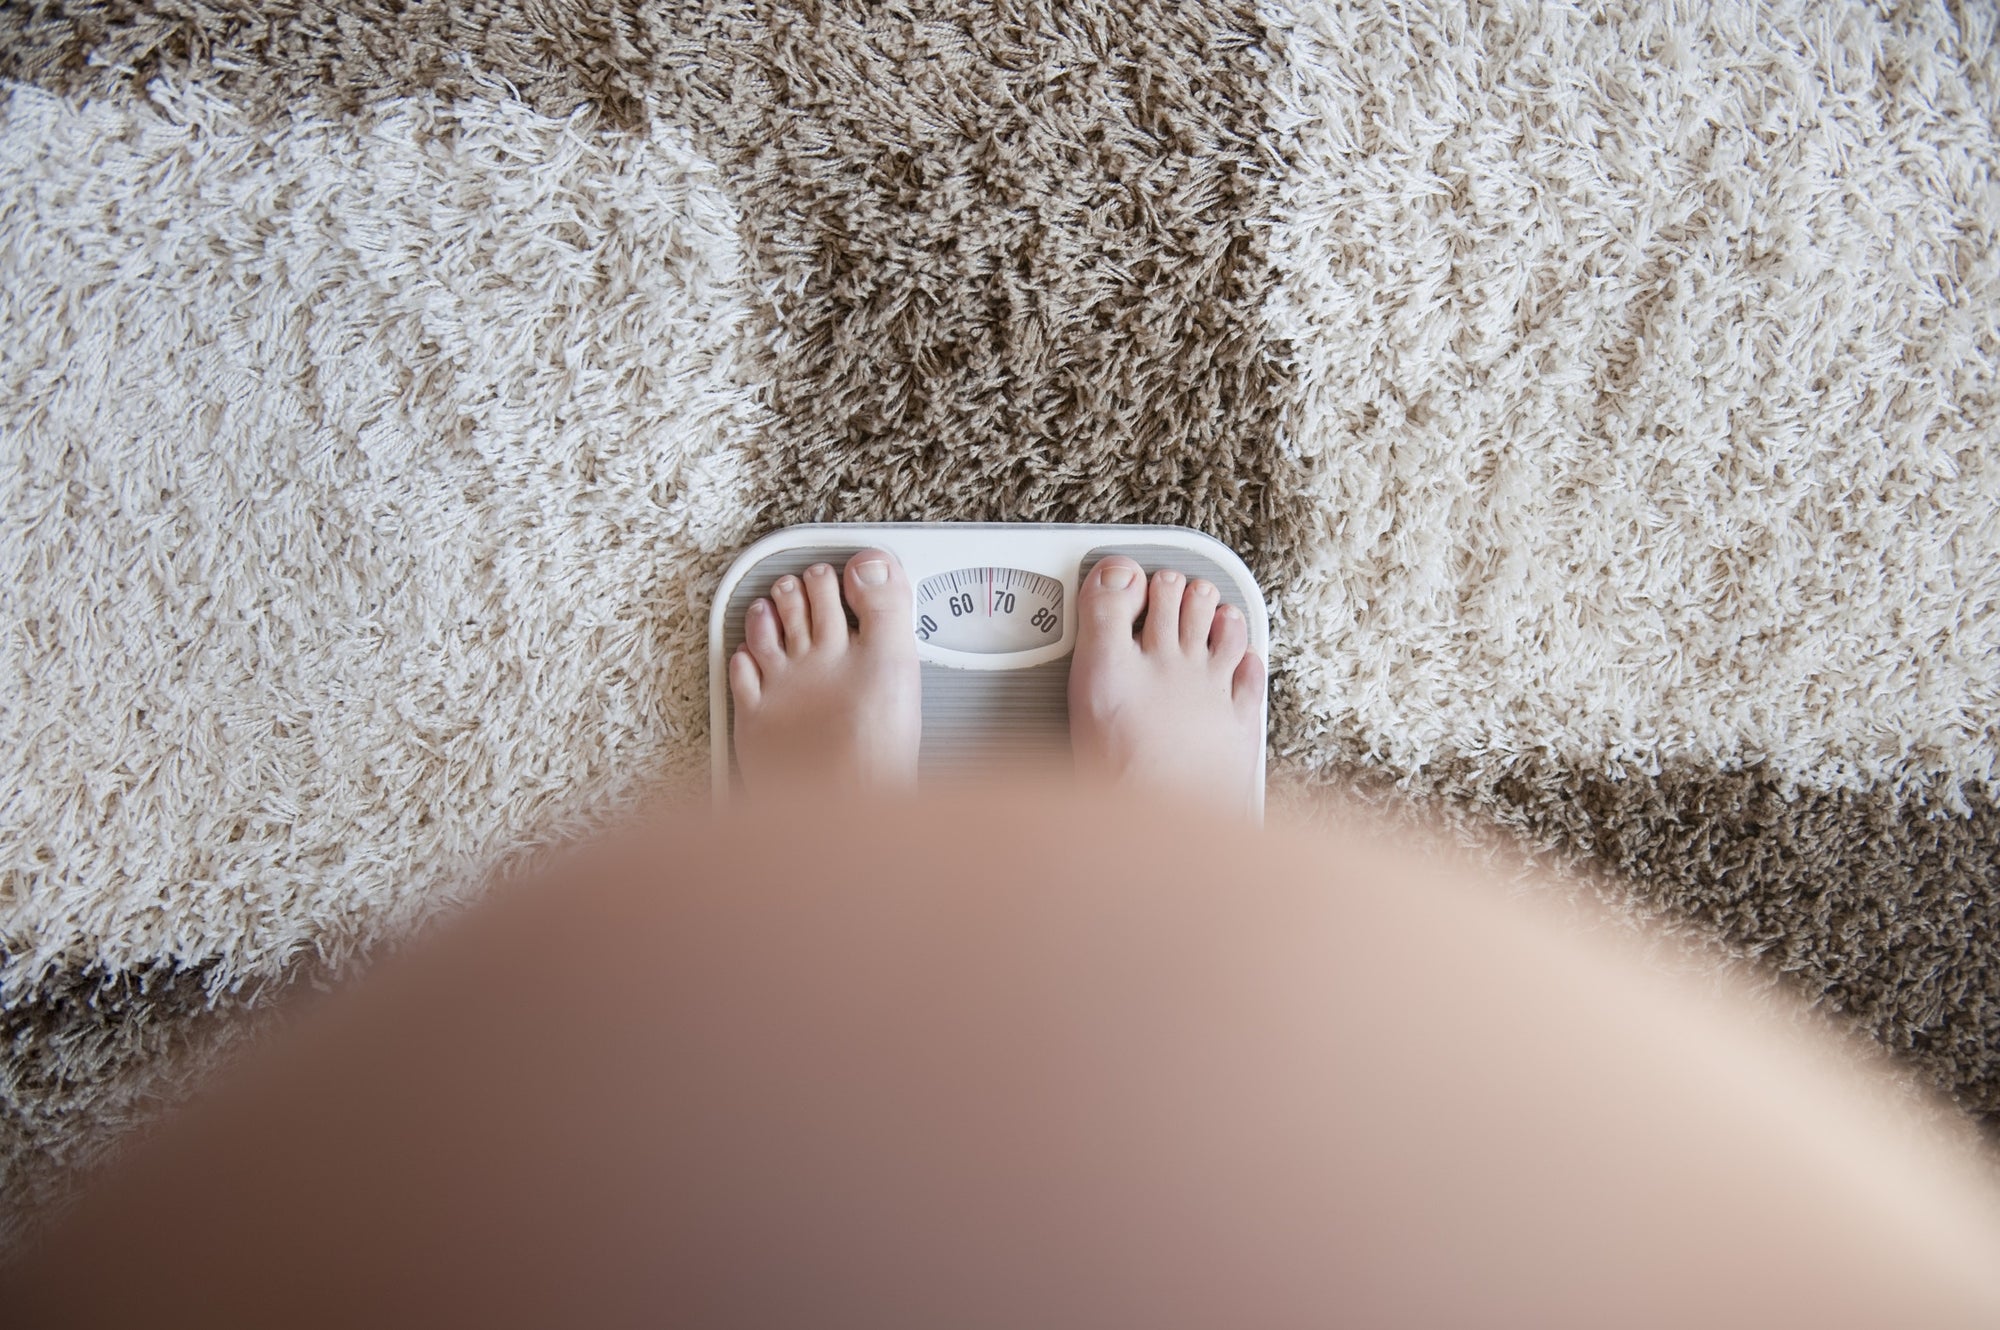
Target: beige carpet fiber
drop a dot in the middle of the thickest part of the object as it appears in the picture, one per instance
(1608, 399)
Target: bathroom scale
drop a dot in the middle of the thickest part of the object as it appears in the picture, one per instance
(995, 624)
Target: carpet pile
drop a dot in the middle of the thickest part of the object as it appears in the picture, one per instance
(1608, 398)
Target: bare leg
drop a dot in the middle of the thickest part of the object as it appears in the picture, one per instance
(1105, 1063)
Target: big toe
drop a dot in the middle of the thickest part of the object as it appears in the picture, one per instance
(879, 593)
(1247, 682)
(1108, 604)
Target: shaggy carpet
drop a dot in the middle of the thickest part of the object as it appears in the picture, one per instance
(1607, 396)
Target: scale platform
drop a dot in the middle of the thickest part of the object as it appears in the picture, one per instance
(995, 623)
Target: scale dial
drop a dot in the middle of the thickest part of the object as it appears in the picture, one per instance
(990, 611)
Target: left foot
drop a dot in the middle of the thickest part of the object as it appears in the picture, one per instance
(819, 704)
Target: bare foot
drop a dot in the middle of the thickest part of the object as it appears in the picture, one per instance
(1179, 707)
(818, 703)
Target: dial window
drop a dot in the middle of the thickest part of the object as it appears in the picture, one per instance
(989, 610)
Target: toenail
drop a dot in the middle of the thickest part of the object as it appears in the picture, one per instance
(872, 573)
(760, 607)
(820, 569)
(1170, 577)
(1117, 578)
(787, 584)
(1230, 611)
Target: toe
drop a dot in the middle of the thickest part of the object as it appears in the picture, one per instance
(745, 683)
(763, 636)
(1108, 604)
(1228, 639)
(1246, 686)
(880, 594)
(829, 616)
(790, 598)
(1163, 611)
(1198, 615)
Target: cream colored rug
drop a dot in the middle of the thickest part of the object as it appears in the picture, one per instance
(1608, 399)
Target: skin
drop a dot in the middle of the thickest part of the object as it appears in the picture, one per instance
(817, 703)
(1176, 707)
(813, 1064)
(1128, 1063)
(1164, 693)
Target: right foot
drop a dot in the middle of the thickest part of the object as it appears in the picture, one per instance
(1178, 707)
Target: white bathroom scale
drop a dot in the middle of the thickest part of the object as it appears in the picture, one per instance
(995, 625)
